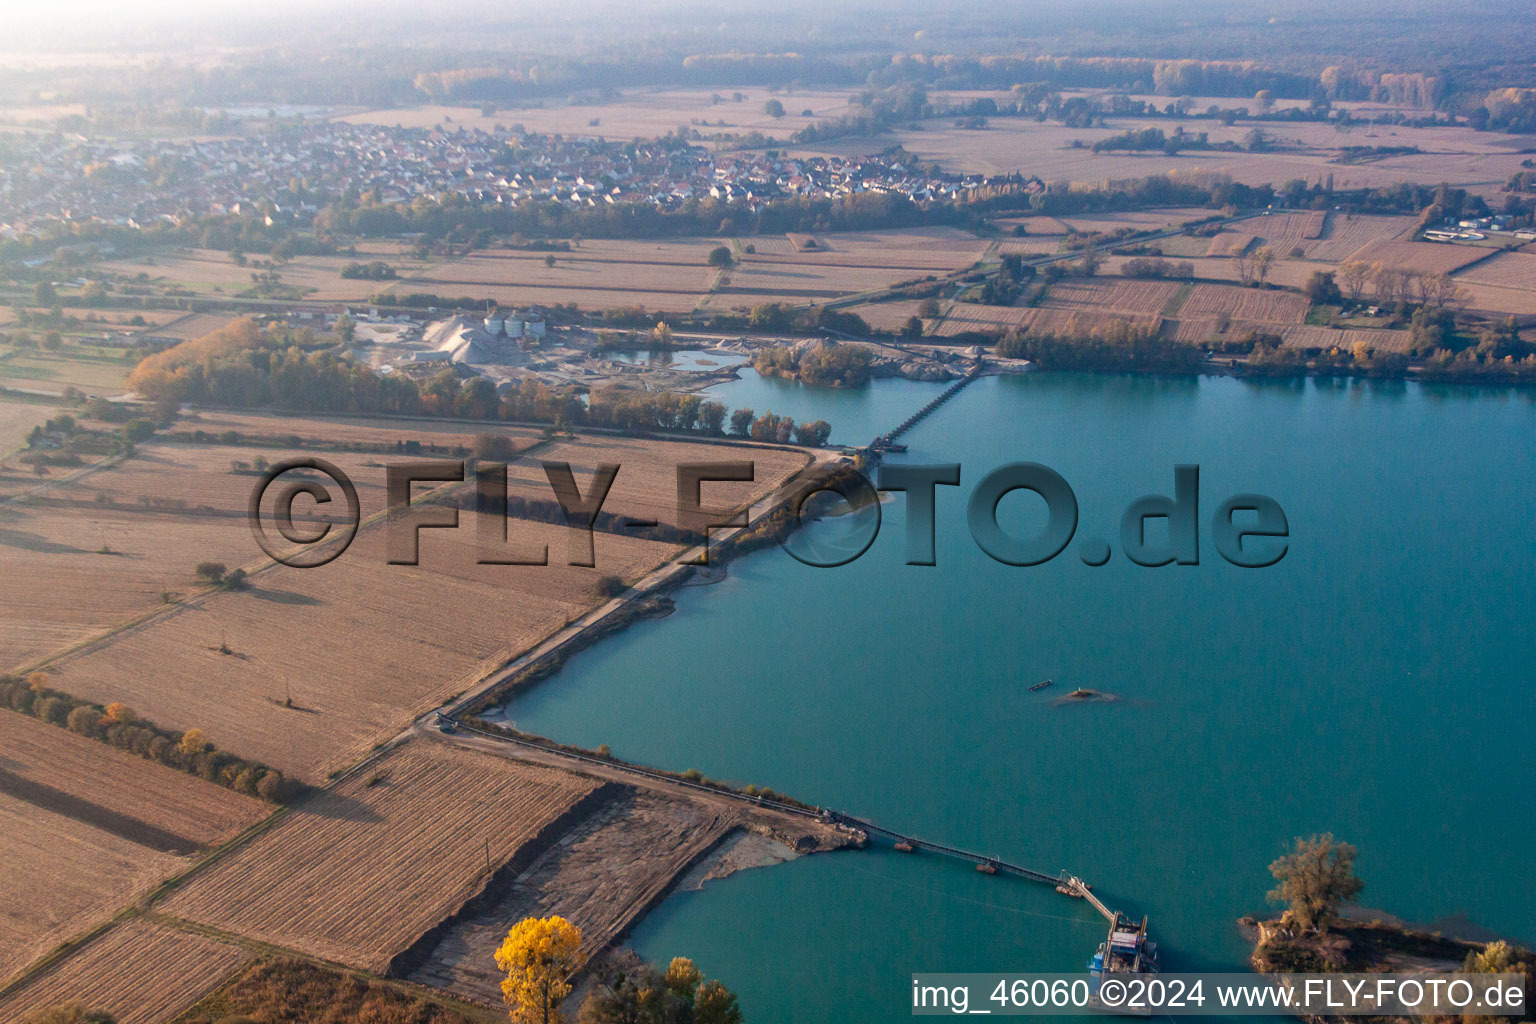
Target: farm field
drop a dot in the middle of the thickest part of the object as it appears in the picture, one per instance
(17, 418)
(138, 971)
(1194, 330)
(1307, 336)
(1282, 232)
(321, 430)
(1127, 296)
(54, 371)
(600, 877)
(1422, 257)
(1038, 224)
(64, 772)
(1249, 304)
(646, 486)
(1183, 247)
(1284, 273)
(964, 317)
(1137, 220)
(1307, 151)
(189, 327)
(1506, 270)
(664, 276)
(202, 479)
(422, 632)
(1032, 245)
(637, 113)
(62, 877)
(1494, 299)
(57, 589)
(1346, 234)
(360, 646)
(85, 556)
(890, 316)
(358, 872)
(210, 271)
(845, 264)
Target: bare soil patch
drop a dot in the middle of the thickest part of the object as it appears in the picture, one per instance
(602, 876)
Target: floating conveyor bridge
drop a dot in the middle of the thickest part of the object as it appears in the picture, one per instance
(1065, 883)
(884, 441)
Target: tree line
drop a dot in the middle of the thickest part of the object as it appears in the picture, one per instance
(242, 365)
(1114, 344)
(119, 726)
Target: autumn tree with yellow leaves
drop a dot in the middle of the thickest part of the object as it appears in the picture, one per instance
(538, 957)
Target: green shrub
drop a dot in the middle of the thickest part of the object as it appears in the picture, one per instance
(54, 709)
(85, 720)
(246, 781)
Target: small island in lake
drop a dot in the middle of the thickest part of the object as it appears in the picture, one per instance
(1315, 880)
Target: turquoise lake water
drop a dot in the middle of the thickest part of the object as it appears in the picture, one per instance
(694, 359)
(1376, 683)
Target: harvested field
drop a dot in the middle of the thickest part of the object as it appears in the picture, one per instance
(646, 486)
(1282, 232)
(17, 420)
(1422, 257)
(1039, 225)
(1231, 243)
(1072, 321)
(1308, 151)
(117, 791)
(86, 556)
(57, 590)
(1252, 304)
(1126, 296)
(1506, 270)
(965, 317)
(197, 479)
(313, 276)
(890, 316)
(1183, 246)
(769, 245)
(1492, 299)
(416, 633)
(1346, 234)
(435, 436)
(1504, 284)
(358, 873)
(190, 327)
(64, 877)
(70, 367)
(1284, 273)
(846, 264)
(601, 877)
(1313, 338)
(636, 113)
(360, 646)
(1137, 220)
(1194, 331)
(1037, 245)
(757, 281)
(138, 971)
(669, 276)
